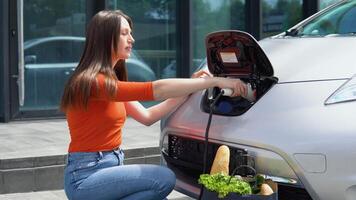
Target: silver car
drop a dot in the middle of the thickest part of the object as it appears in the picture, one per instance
(300, 129)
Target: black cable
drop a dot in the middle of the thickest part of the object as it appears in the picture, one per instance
(207, 137)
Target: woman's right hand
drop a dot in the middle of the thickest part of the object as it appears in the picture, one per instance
(238, 87)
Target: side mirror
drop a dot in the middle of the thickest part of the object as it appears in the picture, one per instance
(30, 59)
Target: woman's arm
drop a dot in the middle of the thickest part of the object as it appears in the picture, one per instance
(149, 116)
(168, 88)
(181, 88)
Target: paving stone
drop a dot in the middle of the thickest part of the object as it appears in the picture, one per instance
(60, 195)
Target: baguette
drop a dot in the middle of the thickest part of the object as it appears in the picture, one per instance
(272, 184)
(221, 161)
(266, 189)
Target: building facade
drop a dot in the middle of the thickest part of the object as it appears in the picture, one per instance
(42, 41)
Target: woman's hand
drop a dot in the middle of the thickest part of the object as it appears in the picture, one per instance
(238, 87)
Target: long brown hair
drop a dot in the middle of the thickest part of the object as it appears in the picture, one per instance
(102, 36)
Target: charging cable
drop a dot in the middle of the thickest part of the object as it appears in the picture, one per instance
(212, 105)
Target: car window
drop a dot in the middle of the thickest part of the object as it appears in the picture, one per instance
(338, 20)
(348, 22)
(58, 51)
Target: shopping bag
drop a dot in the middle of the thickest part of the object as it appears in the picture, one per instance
(209, 195)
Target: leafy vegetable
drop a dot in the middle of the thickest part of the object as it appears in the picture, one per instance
(259, 180)
(219, 183)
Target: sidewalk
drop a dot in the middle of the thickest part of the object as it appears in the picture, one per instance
(51, 137)
(59, 195)
(33, 151)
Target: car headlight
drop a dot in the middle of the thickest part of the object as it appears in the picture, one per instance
(347, 92)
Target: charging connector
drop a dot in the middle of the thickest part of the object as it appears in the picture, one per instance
(227, 92)
(250, 96)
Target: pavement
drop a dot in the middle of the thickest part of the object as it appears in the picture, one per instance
(59, 195)
(51, 137)
(24, 141)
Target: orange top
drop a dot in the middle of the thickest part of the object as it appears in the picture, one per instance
(99, 127)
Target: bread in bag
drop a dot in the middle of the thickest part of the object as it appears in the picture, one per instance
(266, 189)
(221, 161)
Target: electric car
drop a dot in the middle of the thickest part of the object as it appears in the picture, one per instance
(300, 127)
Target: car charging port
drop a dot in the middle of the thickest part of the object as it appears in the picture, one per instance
(226, 105)
(234, 106)
(236, 54)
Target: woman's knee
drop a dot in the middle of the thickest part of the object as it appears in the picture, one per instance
(168, 178)
(171, 177)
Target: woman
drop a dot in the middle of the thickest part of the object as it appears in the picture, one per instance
(97, 99)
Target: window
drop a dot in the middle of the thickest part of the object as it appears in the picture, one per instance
(154, 30)
(347, 22)
(53, 18)
(325, 3)
(338, 20)
(280, 15)
(51, 49)
(212, 15)
(55, 51)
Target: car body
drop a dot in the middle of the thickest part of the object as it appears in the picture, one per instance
(300, 130)
(49, 61)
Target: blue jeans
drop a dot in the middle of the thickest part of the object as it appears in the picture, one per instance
(102, 175)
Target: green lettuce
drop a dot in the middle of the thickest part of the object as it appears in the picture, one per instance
(219, 183)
